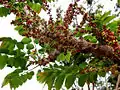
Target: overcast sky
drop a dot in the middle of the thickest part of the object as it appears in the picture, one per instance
(7, 30)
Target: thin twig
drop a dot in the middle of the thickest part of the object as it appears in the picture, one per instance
(34, 67)
(118, 82)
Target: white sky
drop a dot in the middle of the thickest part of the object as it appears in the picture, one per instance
(7, 30)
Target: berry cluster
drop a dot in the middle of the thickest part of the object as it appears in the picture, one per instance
(110, 39)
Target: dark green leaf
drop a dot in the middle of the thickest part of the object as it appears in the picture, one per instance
(30, 74)
(101, 73)
(83, 65)
(4, 50)
(4, 11)
(59, 81)
(11, 61)
(92, 77)
(50, 80)
(82, 79)
(3, 61)
(70, 80)
(36, 41)
(38, 1)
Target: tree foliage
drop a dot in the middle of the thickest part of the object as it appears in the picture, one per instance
(69, 56)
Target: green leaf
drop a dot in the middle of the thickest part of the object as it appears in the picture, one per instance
(30, 74)
(8, 44)
(20, 62)
(118, 2)
(67, 57)
(108, 19)
(50, 80)
(118, 38)
(69, 81)
(5, 82)
(19, 27)
(22, 32)
(38, 1)
(36, 7)
(113, 26)
(41, 76)
(101, 73)
(15, 79)
(82, 79)
(60, 57)
(59, 81)
(11, 61)
(20, 45)
(4, 11)
(26, 40)
(11, 75)
(3, 61)
(30, 46)
(83, 65)
(36, 41)
(91, 38)
(4, 50)
(92, 77)
(105, 15)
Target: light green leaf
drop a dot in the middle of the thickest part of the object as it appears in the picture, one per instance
(60, 57)
(26, 40)
(108, 19)
(67, 57)
(18, 27)
(105, 15)
(113, 26)
(91, 38)
(30, 46)
(36, 7)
